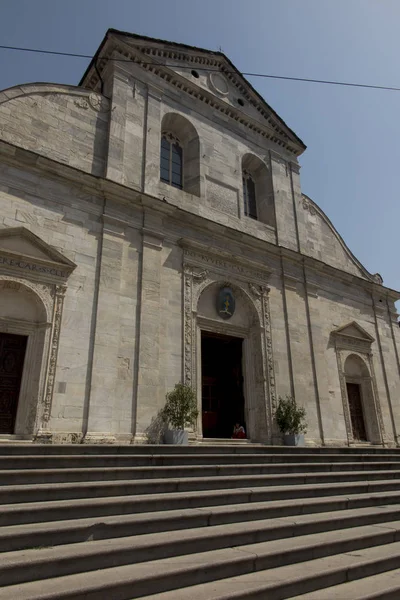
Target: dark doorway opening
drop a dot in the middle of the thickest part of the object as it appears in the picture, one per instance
(356, 412)
(12, 356)
(222, 384)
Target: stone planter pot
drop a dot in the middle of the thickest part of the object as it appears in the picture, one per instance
(176, 436)
(294, 439)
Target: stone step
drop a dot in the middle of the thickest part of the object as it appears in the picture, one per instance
(65, 461)
(54, 533)
(14, 477)
(285, 582)
(382, 586)
(16, 449)
(37, 512)
(225, 574)
(30, 565)
(63, 491)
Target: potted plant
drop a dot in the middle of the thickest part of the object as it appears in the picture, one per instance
(180, 410)
(291, 421)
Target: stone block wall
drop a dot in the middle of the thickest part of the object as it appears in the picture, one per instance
(65, 123)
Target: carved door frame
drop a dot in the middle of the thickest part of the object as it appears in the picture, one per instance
(345, 346)
(200, 271)
(37, 383)
(41, 274)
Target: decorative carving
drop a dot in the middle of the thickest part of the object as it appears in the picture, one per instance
(98, 102)
(94, 101)
(218, 83)
(188, 324)
(375, 398)
(358, 345)
(54, 343)
(255, 290)
(224, 266)
(269, 351)
(378, 278)
(199, 277)
(309, 207)
(346, 409)
(81, 102)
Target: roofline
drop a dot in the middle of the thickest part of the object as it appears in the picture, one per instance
(187, 47)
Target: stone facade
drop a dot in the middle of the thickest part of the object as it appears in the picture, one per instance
(112, 273)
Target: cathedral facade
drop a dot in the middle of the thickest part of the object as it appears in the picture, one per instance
(153, 230)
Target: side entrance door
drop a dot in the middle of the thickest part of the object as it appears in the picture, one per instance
(12, 356)
(356, 411)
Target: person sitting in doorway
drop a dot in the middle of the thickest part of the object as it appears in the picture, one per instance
(238, 432)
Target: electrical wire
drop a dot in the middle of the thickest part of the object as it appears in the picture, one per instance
(208, 69)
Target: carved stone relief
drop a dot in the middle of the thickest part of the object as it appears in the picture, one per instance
(55, 339)
(94, 101)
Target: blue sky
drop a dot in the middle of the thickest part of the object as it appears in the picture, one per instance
(352, 162)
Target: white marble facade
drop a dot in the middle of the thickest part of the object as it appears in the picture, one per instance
(112, 274)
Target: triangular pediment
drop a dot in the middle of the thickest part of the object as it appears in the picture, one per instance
(215, 77)
(354, 330)
(22, 243)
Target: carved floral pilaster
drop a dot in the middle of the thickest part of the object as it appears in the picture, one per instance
(269, 350)
(376, 400)
(193, 278)
(59, 294)
(346, 408)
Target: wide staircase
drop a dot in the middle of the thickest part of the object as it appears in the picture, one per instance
(198, 523)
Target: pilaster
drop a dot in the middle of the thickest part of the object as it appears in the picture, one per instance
(149, 397)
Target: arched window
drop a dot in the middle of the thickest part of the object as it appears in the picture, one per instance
(179, 155)
(171, 161)
(258, 196)
(249, 196)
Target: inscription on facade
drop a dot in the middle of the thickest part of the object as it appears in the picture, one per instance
(225, 266)
(27, 266)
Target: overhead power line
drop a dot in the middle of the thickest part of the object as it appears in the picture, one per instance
(262, 75)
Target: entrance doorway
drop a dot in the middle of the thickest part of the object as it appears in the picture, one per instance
(12, 356)
(356, 412)
(222, 384)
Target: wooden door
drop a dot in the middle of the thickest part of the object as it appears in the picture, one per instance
(356, 411)
(12, 355)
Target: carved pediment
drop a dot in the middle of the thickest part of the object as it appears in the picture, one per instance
(23, 251)
(206, 75)
(353, 331)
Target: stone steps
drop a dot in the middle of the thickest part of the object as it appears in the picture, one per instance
(204, 528)
(29, 565)
(30, 512)
(217, 576)
(53, 533)
(49, 492)
(85, 474)
(283, 583)
(33, 462)
(382, 586)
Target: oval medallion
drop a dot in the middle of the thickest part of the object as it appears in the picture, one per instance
(225, 303)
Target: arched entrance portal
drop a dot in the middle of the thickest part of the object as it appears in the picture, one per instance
(360, 397)
(24, 327)
(226, 359)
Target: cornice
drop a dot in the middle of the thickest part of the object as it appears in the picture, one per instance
(271, 131)
(100, 187)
